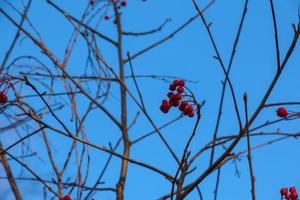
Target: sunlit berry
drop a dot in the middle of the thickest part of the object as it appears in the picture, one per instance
(282, 112)
(283, 191)
(180, 89)
(292, 189)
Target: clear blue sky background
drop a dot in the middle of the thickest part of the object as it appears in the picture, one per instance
(187, 55)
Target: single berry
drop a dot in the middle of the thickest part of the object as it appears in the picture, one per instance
(106, 17)
(163, 109)
(174, 102)
(191, 114)
(188, 110)
(283, 191)
(294, 194)
(167, 105)
(61, 198)
(184, 103)
(67, 197)
(172, 87)
(181, 83)
(177, 96)
(176, 82)
(123, 3)
(164, 102)
(181, 108)
(170, 94)
(293, 189)
(282, 112)
(180, 89)
(3, 98)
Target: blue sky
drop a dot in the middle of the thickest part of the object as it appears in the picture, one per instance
(187, 55)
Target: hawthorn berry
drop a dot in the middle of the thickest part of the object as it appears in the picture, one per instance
(293, 190)
(282, 112)
(181, 83)
(176, 82)
(165, 107)
(177, 96)
(191, 114)
(174, 102)
(188, 110)
(67, 197)
(180, 89)
(106, 17)
(182, 106)
(170, 94)
(287, 196)
(184, 103)
(166, 104)
(283, 191)
(172, 87)
(3, 98)
(123, 3)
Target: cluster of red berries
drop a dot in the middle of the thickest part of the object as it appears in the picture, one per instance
(292, 195)
(123, 3)
(176, 99)
(282, 112)
(67, 197)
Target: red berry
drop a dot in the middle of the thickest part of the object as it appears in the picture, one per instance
(170, 94)
(293, 189)
(282, 112)
(164, 102)
(172, 87)
(188, 110)
(61, 198)
(67, 197)
(191, 114)
(181, 108)
(177, 96)
(181, 83)
(283, 191)
(176, 82)
(3, 98)
(106, 17)
(123, 3)
(167, 105)
(184, 103)
(180, 90)
(174, 102)
(163, 109)
(294, 194)
(287, 196)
